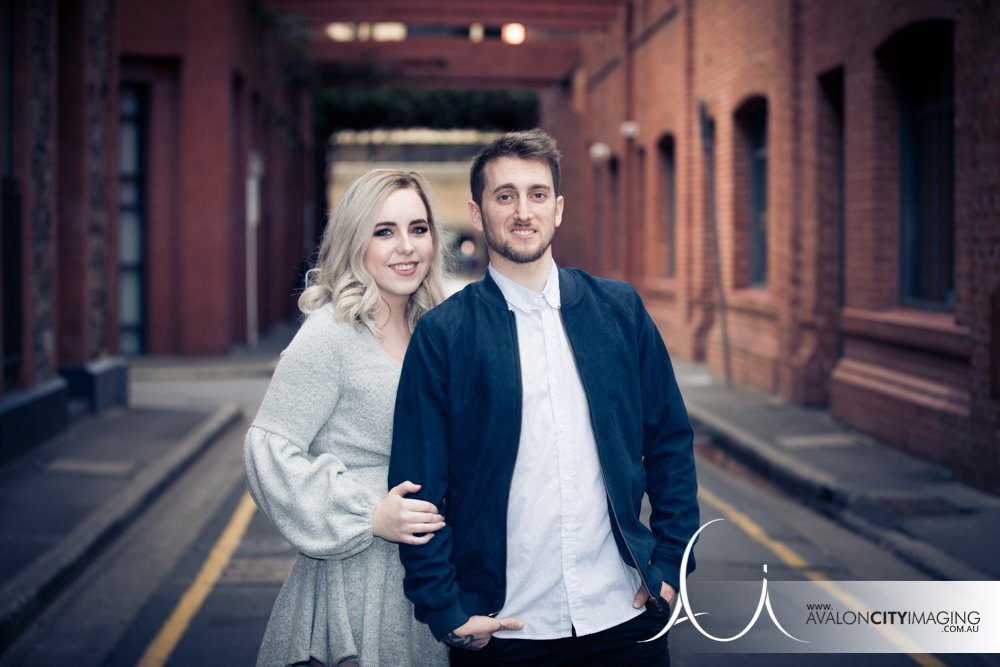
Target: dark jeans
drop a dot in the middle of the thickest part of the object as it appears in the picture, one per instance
(615, 647)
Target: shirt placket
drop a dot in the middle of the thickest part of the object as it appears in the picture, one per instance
(569, 526)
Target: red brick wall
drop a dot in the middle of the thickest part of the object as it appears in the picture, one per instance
(217, 92)
(73, 172)
(922, 379)
(84, 170)
(35, 156)
(977, 228)
(573, 245)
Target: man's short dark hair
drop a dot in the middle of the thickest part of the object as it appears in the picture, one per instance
(530, 145)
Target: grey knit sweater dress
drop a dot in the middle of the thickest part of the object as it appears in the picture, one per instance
(317, 458)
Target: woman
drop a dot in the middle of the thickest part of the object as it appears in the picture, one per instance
(317, 454)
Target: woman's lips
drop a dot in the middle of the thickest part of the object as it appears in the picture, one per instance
(405, 268)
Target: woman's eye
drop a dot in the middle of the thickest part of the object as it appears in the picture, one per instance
(385, 231)
(420, 229)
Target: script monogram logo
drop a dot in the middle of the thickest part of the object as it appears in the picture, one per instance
(682, 601)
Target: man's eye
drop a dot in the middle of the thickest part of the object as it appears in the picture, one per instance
(538, 195)
(504, 198)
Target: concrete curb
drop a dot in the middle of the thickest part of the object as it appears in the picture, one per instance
(767, 460)
(25, 596)
(823, 493)
(174, 372)
(919, 554)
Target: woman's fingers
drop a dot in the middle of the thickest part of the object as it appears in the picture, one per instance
(421, 527)
(414, 505)
(403, 488)
(417, 539)
(421, 517)
(399, 519)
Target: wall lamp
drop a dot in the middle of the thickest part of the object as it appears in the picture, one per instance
(599, 152)
(629, 129)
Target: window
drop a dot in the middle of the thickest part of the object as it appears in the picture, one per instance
(668, 203)
(10, 215)
(919, 62)
(832, 186)
(639, 206)
(751, 121)
(617, 224)
(133, 112)
(598, 218)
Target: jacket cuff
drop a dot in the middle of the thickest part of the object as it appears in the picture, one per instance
(443, 621)
(670, 573)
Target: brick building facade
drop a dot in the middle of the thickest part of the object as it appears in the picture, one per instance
(835, 168)
(218, 124)
(151, 153)
(805, 192)
(59, 340)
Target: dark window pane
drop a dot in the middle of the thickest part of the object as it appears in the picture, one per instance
(669, 202)
(128, 148)
(131, 218)
(752, 121)
(919, 63)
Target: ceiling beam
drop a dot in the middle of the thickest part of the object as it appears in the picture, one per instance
(440, 62)
(606, 7)
(381, 15)
(548, 56)
(545, 13)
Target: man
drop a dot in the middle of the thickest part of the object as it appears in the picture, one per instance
(535, 407)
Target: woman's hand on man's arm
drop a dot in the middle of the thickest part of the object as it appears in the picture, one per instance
(401, 519)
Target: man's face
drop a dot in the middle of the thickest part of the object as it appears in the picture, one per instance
(520, 210)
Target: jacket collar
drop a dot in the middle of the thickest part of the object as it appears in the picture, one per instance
(569, 292)
(523, 299)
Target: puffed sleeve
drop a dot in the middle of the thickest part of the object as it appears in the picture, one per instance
(313, 499)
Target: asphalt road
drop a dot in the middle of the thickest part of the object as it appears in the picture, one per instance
(192, 582)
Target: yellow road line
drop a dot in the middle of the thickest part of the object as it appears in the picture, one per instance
(158, 652)
(793, 559)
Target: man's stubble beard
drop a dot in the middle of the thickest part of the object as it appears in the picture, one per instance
(507, 252)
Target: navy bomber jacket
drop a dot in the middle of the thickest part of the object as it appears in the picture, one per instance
(457, 427)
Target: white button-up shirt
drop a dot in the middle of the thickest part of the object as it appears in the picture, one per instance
(564, 572)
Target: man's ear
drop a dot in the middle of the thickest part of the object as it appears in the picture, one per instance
(476, 215)
(560, 202)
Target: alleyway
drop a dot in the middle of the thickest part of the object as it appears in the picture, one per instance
(803, 193)
(191, 579)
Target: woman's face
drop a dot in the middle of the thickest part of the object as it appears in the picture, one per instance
(399, 253)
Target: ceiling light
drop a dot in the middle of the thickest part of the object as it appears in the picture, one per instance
(389, 32)
(513, 33)
(340, 32)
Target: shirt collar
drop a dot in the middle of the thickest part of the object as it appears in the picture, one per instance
(522, 298)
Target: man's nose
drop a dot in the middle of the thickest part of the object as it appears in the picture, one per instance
(523, 210)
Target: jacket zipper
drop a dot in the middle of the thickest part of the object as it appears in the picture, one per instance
(614, 516)
(512, 320)
(607, 491)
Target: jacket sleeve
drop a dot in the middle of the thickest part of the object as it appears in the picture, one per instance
(420, 454)
(313, 499)
(668, 453)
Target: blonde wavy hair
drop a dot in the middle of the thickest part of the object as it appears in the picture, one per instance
(340, 276)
